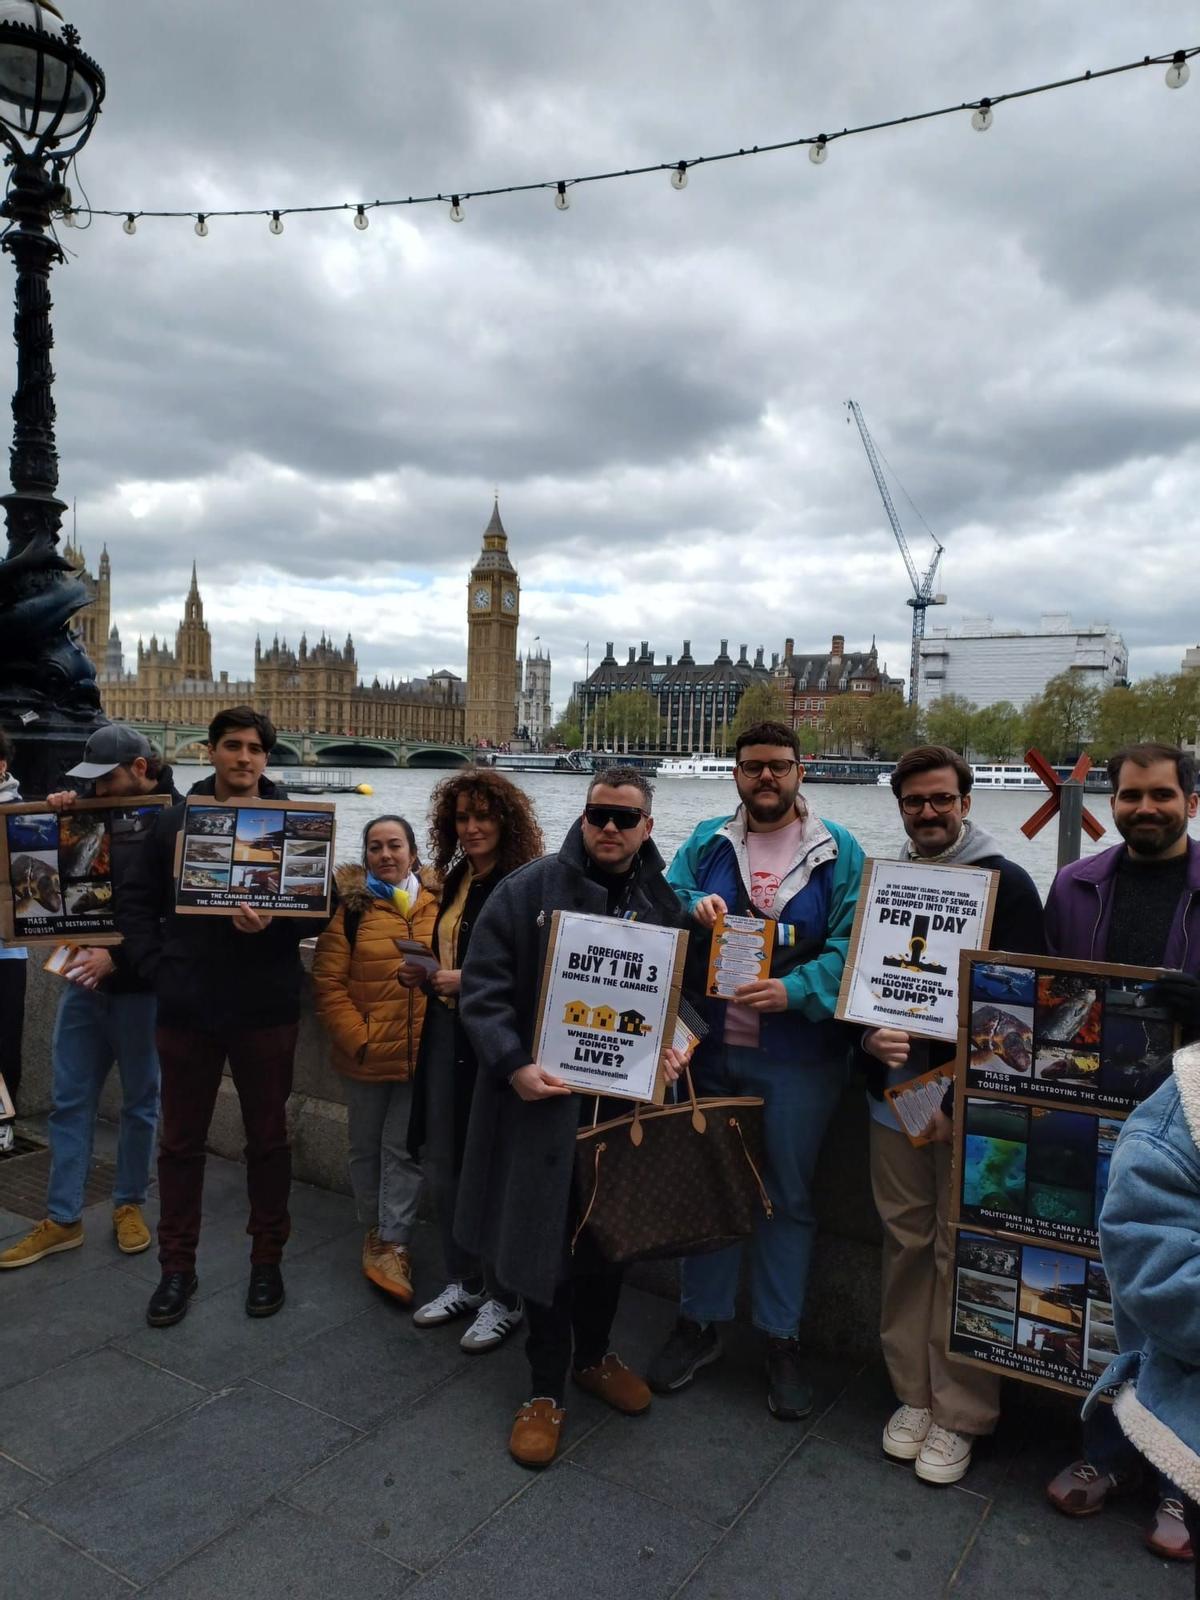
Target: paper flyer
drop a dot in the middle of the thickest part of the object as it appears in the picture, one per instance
(741, 953)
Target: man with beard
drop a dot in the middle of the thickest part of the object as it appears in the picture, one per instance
(776, 1038)
(944, 1404)
(1137, 904)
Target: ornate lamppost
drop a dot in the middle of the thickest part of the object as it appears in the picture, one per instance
(50, 96)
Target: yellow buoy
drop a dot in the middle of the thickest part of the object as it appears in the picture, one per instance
(364, 788)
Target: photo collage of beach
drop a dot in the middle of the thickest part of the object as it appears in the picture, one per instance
(274, 858)
(1031, 1311)
(1056, 1036)
(58, 885)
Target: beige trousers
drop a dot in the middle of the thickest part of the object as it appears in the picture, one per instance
(912, 1195)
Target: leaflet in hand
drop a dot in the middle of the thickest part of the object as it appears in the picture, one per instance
(741, 953)
(415, 954)
(916, 1101)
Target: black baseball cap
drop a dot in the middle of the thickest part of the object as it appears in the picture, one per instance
(114, 746)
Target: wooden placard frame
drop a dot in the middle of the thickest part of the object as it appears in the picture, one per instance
(1026, 1236)
(612, 929)
(864, 901)
(66, 932)
(264, 902)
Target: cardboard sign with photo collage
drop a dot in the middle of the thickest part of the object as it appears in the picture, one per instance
(1053, 1056)
(56, 867)
(274, 855)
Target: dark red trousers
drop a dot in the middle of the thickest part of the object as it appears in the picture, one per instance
(260, 1061)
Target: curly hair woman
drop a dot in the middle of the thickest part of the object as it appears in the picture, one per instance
(375, 1022)
(482, 827)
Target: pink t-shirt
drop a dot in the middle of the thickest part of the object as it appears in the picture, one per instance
(771, 854)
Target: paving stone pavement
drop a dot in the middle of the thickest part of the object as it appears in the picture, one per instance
(334, 1452)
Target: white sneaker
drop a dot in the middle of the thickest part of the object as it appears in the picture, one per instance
(945, 1456)
(454, 1301)
(7, 1137)
(906, 1432)
(492, 1326)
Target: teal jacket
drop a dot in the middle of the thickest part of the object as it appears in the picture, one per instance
(816, 897)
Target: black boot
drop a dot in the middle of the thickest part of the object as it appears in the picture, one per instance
(169, 1302)
(265, 1294)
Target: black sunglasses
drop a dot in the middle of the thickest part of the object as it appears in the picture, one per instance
(912, 805)
(623, 817)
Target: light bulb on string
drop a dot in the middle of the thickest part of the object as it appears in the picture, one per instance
(276, 223)
(201, 228)
(818, 150)
(456, 211)
(561, 199)
(1178, 72)
(981, 117)
(361, 220)
(130, 224)
(679, 176)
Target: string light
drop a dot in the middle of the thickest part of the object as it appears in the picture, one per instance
(276, 223)
(130, 224)
(561, 199)
(982, 117)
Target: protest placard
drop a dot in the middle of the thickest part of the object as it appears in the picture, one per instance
(608, 1004)
(275, 856)
(56, 867)
(911, 923)
(1052, 1057)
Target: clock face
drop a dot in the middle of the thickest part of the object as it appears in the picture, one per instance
(481, 599)
(510, 600)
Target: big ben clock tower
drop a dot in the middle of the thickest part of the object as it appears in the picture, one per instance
(493, 611)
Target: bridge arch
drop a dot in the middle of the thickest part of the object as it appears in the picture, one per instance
(349, 752)
(436, 755)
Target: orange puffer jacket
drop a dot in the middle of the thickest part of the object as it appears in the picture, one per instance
(373, 1022)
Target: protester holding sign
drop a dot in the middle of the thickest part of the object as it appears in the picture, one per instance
(375, 1024)
(775, 1038)
(106, 1014)
(1138, 904)
(228, 988)
(516, 1206)
(482, 827)
(944, 1404)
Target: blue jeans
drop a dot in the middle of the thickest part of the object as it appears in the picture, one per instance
(799, 1101)
(91, 1031)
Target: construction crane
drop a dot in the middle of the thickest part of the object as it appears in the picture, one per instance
(922, 595)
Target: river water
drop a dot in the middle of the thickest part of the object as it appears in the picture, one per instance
(680, 803)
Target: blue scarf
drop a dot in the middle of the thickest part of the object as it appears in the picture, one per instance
(402, 895)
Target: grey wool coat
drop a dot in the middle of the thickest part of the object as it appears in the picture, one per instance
(515, 1193)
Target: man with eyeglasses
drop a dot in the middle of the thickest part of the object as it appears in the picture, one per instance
(944, 1404)
(776, 1038)
(516, 1208)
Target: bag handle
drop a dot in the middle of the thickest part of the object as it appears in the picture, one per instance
(600, 1149)
(762, 1191)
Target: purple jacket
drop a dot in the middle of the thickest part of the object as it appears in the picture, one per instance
(1079, 909)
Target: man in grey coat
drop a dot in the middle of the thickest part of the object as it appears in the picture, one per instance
(516, 1197)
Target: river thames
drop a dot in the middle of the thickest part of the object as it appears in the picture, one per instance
(680, 803)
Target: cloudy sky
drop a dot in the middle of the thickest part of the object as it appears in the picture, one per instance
(654, 380)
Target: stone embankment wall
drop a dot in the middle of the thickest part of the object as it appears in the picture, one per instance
(843, 1300)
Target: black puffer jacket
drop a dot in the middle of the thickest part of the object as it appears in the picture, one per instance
(207, 975)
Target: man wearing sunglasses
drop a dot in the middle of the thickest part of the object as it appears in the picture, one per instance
(777, 1039)
(515, 1201)
(943, 1404)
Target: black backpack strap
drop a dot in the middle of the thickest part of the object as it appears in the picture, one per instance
(350, 924)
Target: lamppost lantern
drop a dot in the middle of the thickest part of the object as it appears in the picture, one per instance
(50, 97)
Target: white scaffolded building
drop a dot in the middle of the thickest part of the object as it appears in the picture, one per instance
(985, 664)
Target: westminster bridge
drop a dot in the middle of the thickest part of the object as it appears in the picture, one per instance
(180, 742)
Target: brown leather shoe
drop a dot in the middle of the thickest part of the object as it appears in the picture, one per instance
(536, 1432)
(1167, 1535)
(390, 1269)
(613, 1382)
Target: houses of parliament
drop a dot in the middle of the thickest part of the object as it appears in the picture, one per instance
(316, 688)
